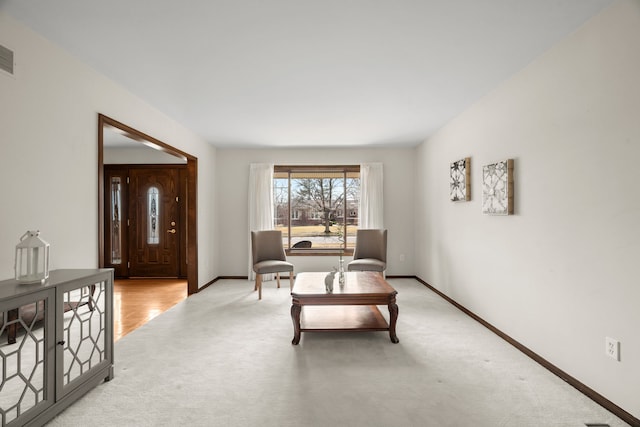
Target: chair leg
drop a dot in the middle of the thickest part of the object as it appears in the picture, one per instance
(278, 278)
(259, 285)
(290, 280)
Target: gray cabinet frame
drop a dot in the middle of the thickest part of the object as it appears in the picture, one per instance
(57, 394)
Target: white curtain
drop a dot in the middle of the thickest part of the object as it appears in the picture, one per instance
(260, 203)
(371, 209)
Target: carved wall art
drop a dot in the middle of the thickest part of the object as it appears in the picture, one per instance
(460, 180)
(497, 188)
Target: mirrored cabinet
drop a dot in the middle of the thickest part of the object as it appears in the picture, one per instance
(56, 343)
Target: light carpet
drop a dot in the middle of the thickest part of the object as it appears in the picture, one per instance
(223, 358)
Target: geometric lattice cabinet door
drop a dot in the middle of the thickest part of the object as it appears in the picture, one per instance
(460, 180)
(497, 188)
(84, 325)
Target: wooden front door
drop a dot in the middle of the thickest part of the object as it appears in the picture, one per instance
(144, 227)
(153, 229)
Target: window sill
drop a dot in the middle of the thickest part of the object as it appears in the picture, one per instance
(318, 252)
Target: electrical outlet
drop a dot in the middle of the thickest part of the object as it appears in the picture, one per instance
(612, 348)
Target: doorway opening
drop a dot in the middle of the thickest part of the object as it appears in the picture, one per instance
(182, 234)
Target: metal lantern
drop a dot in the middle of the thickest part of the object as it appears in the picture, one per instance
(32, 258)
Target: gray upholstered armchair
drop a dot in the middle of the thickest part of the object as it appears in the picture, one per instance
(269, 257)
(371, 251)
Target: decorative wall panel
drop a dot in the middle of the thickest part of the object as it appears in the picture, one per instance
(460, 180)
(497, 188)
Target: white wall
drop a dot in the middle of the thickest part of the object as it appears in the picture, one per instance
(48, 160)
(232, 178)
(138, 154)
(560, 274)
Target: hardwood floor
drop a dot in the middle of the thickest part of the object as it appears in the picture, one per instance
(136, 301)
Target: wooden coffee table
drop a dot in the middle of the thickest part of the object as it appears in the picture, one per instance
(350, 308)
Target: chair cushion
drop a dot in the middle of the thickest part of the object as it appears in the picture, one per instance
(270, 266)
(366, 264)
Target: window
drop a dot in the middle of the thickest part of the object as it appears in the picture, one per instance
(116, 222)
(317, 204)
(153, 211)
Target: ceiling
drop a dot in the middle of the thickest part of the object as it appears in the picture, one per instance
(307, 73)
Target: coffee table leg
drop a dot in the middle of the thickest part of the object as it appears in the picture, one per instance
(393, 317)
(295, 317)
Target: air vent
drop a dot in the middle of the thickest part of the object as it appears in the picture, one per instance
(6, 60)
